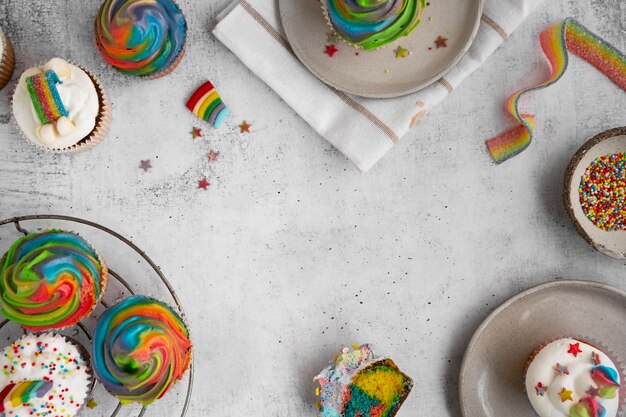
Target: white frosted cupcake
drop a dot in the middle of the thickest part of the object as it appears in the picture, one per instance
(571, 378)
(7, 60)
(44, 374)
(61, 107)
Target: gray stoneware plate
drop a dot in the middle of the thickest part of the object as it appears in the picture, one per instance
(378, 73)
(492, 373)
(610, 243)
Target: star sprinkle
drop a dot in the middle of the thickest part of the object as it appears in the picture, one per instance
(332, 37)
(244, 127)
(562, 370)
(592, 391)
(596, 358)
(212, 155)
(91, 404)
(331, 50)
(540, 389)
(196, 133)
(441, 42)
(204, 184)
(145, 165)
(401, 52)
(566, 395)
(574, 349)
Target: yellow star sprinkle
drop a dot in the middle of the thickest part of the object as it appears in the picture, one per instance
(401, 52)
(566, 395)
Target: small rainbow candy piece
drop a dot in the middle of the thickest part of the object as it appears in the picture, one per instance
(45, 97)
(207, 104)
(23, 392)
(555, 42)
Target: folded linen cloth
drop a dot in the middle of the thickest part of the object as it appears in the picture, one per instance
(362, 129)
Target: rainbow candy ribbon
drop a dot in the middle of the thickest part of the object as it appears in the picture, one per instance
(45, 97)
(556, 41)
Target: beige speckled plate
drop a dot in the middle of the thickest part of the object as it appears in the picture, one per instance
(609, 142)
(379, 73)
(492, 373)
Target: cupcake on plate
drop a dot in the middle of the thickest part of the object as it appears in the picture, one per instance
(572, 378)
(51, 280)
(357, 382)
(371, 24)
(141, 348)
(7, 59)
(144, 38)
(44, 374)
(61, 107)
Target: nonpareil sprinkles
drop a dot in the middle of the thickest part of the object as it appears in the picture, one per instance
(602, 192)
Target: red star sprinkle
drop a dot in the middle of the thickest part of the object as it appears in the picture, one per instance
(145, 165)
(574, 349)
(244, 127)
(196, 133)
(331, 50)
(540, 389)
(441, 42)
(212, 155)
(204, 184)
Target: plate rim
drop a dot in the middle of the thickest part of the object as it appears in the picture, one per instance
(528, 292)
(429, 82)
(569, 177)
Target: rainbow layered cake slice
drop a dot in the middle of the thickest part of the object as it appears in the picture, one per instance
(359, 384)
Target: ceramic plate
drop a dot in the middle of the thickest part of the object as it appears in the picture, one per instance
(379, 73)
(492, 373)
(610, 243)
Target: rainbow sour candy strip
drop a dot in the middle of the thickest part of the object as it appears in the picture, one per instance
(45, 97)
(23, 392)
(207, 104)
(556, 41)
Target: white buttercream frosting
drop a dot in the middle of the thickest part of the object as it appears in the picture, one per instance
(556, 368)
(79, 97)
(50, 358)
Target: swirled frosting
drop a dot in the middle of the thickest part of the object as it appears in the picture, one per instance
(50, 280)
(140, 348)
(570, 378)
(371, 24)
(140, 37)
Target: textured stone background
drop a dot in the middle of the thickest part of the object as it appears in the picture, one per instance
(292, 252)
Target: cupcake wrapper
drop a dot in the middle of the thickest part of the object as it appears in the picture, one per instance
(7, 61)
(103, 121)
(608, 352)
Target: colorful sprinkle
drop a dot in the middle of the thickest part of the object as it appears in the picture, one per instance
(566, 395)
(441, 42)
(145, 165)
(244, 127)
(574, 349)
(602, 192)
(204, 184)
(401, 52)
(331, 50)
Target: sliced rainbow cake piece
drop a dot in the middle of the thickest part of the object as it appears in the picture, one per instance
(359, 384)
(207, 105)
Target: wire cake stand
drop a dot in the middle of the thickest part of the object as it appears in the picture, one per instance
(176, 401)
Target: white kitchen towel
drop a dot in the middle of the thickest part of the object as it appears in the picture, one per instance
(362, 129)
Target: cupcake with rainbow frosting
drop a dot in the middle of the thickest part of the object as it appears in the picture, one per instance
(371, 24)
(51, 280)
(141, 347)
(144, 38)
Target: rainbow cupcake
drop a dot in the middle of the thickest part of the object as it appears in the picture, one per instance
(357, 382)
(371, 24)
(51, 280)
(144, 38)
(572, 378)
(61, 107)
(141, 348)
(7, 60)
(44, 375)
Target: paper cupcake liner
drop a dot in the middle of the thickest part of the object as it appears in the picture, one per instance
(619, 365)
(175, 308)
(98, 133)
(7, 61)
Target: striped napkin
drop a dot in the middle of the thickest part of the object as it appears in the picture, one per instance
(362, 129)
